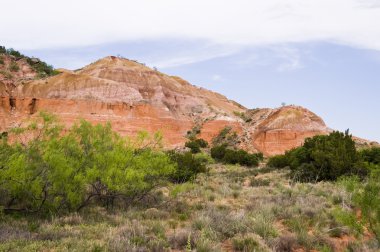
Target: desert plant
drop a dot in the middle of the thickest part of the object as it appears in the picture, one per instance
(187, 166)
(89, 164)
(325, 157)
(231, 156)
(15, 53)
(245, 244)
(371, 155)
(3, 50)
(226, 137)
(278, 161)
(259, 182)
(195, 145)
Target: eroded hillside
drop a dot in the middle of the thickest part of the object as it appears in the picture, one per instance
(134, 97)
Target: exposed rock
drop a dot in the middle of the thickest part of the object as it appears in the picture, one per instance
(134, 97)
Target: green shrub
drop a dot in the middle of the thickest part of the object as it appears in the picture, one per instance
(3, 50)
(278, 161)
(196, 145)
(218, 152)
(187, 166)
(192, 134)
(193, 146)
(202, 143)
(243, 116)
(42, 68)
(15, 53)
(230, 156)
(55, 173)
(259, 182)
(348, 219)
(245, 244)
(323, 157)
(226, 137)
(1, 60)
(371, 155)
(366, 196)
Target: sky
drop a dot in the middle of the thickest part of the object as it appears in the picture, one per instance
(320, 54)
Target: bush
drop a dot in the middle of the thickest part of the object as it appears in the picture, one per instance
(259, 182)
(52, 173)
(324, 157)
(3, 50)
(42, 68)
(218, 152)
(366, 196)
(187, 166)
(225, 137)
(230, 156)
(245, 244)
(278, 161)
(1, 60)
(196, 145)
(15, 53)
(371, 155)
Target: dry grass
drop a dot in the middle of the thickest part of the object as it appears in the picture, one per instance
(232, 208)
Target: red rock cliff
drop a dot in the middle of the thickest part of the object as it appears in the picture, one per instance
(134, 97)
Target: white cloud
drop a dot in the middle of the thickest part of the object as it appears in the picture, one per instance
(282, 58)
(45, 23)
(190, 56)
(290, 58)
(216, 77)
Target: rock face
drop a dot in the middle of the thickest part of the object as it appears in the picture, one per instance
(134, 98)
(286, 128)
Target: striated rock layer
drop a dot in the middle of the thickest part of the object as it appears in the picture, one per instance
(134, 98)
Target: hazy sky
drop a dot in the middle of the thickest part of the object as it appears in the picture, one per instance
(321, 54)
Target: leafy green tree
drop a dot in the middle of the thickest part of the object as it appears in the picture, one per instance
(45, 171)
(323, 157)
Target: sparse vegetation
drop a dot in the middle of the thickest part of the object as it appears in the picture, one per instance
(226, 137)
(144, 199)
(13, 67)
(366, 196)
(6, 74)
(43, 69)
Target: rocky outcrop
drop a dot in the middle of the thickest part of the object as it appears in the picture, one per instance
(286, 128)
(134, 97)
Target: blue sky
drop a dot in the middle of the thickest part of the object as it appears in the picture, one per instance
(321, 54)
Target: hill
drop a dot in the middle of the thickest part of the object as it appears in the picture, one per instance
(134, 97)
